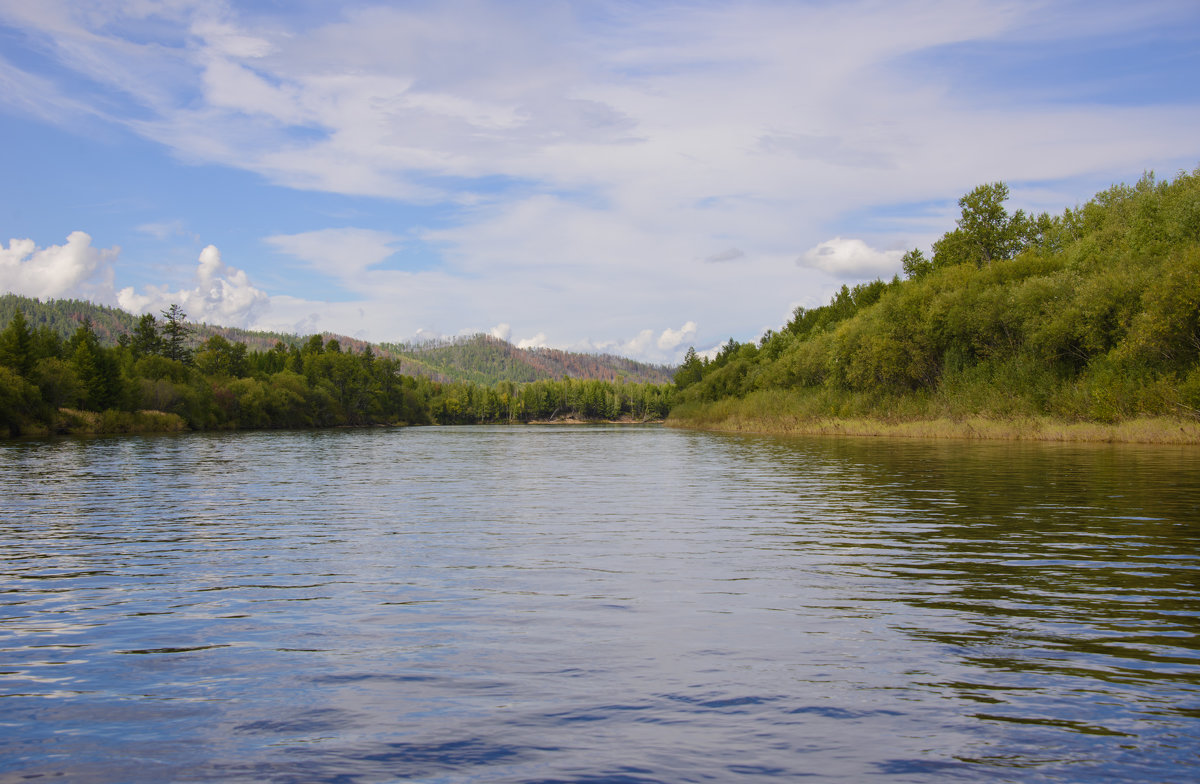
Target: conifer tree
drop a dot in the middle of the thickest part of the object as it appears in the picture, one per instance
(175, 332)
(16, 345)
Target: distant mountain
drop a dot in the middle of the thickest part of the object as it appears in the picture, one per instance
(483, 359)
(479, 359)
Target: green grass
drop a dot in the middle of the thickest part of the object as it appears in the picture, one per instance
(823, 412)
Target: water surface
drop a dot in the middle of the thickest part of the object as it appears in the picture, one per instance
(596, 604)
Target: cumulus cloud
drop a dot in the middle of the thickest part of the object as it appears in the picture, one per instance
(647, 345)
(851, 258)
(580, 168)
(672, 339)
(221, 294)
(537, 341)
(639, 345)
(502, 331)
(75, 269)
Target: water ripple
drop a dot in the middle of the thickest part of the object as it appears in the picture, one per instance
(588, 604)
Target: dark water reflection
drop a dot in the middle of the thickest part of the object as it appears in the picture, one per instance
(596, 605)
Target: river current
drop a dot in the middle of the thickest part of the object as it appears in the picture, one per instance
(596, 604)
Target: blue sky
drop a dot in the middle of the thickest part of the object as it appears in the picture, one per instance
(617, 176)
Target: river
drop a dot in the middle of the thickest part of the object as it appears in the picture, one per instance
(595, 604)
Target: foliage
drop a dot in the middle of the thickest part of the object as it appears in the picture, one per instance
(150, 379)
(479, 359)
(484, 359)
(1093, 315)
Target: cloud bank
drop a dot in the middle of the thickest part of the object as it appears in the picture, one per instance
(594, 173)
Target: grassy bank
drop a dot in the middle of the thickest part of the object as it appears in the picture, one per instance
(69, 421)
(789, 412)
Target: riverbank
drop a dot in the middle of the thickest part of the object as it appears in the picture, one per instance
(93, 423)
(1138, 431)
(70, 421)
(741, 416)
(571, 420)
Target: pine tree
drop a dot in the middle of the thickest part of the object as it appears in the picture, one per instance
(16, 345)
(175, 332)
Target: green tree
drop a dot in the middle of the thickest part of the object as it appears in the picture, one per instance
(19, 402)
(97, 370)
(690, 371)
(175, 333)
(219, 357)
(16, 345)
(986, 232)
(915, 264)
(146, 340)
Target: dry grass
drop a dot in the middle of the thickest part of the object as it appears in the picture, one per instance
(773, 414)
(78, 422)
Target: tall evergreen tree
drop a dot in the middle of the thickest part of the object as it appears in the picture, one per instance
(16, 345)
(175, 332)
(690, 371)
(97, 370)
(146, 340)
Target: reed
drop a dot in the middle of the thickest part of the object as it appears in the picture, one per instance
(76, 422)
(790, 412)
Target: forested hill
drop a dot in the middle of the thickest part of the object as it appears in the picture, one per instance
(1089, 316)
(479, 359)
(63, 317)
(483, 359)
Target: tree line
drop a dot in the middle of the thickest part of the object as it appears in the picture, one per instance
(157, 377)
(1091, 315)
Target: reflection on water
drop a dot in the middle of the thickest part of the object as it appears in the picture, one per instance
(587, 604)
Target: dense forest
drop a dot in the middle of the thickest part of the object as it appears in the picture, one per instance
(479, 359)
(158, 376)
(1089, 316)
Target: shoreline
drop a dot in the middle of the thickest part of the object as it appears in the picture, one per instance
(575, 421)
(72, 422)
(1146, 430)
(1143, 430)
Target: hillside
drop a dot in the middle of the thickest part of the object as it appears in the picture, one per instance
(1090, 317)
(63, 317)
(58, 375)
(478, 359)
(483, 359)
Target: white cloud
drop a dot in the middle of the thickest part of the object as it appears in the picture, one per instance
(851, 258)
(502, 331)
(638, 346)
(75, 269)
(672, 339)
(388, 96)
(588, 171)
(537, 341)
(221, 295)
(666, 348)
(342, 253)
(226, 39)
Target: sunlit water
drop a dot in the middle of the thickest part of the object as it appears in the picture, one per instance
(596, 604)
